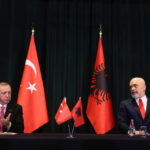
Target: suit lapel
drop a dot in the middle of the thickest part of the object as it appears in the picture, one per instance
(136, 108)
(148, 107)
(8, 110)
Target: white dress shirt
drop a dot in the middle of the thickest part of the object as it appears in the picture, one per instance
(144, 100)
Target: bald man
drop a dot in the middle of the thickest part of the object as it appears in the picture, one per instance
(129, 109)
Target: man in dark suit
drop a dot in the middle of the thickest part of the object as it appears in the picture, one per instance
(129, 109)
(11, 116)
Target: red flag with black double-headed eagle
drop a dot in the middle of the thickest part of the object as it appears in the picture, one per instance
(31, 93)
(99, 107)
(77, 114)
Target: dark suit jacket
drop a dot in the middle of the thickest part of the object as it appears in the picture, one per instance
(129, 110)
(17, 123)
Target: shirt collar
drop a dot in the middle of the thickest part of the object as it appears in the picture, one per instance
(144, 100)
(3, 105)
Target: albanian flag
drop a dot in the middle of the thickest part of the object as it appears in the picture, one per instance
(99, 107)
(77, 114)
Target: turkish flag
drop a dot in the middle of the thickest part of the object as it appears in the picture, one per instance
(99, 107)
(63, 113)
(31, 93)
(77, 114)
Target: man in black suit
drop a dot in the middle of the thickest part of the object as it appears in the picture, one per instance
(13, 116)
(129, 109)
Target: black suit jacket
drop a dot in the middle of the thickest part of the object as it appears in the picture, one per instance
(17, 123)
(129, 110)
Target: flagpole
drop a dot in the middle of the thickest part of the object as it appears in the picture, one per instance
(70, 136)
(69, 129)
(73, 130)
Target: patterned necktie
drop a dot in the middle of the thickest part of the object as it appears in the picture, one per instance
(141, 107)
(2, 113)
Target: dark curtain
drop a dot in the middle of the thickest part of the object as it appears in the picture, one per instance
(66, 36)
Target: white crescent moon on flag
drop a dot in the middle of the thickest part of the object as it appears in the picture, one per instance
(29, 63)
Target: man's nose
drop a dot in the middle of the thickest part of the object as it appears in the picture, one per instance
(7, 94)
(132, 88)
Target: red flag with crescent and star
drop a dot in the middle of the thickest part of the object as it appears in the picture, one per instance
(31, 93)
(63, 113)
(99, 107)
(77, 114)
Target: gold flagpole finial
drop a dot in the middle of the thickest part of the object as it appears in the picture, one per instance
(33, 30)
(100, 32)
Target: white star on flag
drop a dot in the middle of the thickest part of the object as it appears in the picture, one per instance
(32, 87)
(61, 111)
